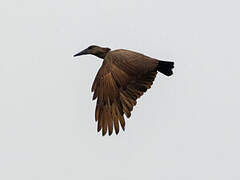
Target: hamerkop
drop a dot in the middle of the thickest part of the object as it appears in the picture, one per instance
(123, 78)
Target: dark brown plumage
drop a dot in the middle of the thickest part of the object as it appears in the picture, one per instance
(123, 78)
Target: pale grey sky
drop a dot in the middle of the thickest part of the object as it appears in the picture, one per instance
(186, 127)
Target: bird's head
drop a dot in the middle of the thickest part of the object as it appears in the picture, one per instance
(94, 50)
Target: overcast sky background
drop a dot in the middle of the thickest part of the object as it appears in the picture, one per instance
(186, 127)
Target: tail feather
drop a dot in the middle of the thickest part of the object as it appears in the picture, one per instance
(165, 67)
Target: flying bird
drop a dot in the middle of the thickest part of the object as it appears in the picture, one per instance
(123, 78)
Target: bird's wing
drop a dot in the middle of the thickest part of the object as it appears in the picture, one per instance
(132, 62)
(120, 81)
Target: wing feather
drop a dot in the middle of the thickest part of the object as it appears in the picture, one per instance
(123, 77)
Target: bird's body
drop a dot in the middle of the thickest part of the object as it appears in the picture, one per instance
(123, 78)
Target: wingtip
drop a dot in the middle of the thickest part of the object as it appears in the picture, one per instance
(104, 133)
(110, 133)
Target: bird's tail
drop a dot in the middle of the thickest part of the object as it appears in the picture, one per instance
(165, 67)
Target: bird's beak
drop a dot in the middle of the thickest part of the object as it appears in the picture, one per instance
(85, 51)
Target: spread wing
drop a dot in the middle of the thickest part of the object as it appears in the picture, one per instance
(123, 77)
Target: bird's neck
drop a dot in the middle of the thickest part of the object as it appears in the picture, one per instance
(102, 53)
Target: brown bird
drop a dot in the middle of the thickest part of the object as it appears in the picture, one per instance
(123, 78)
